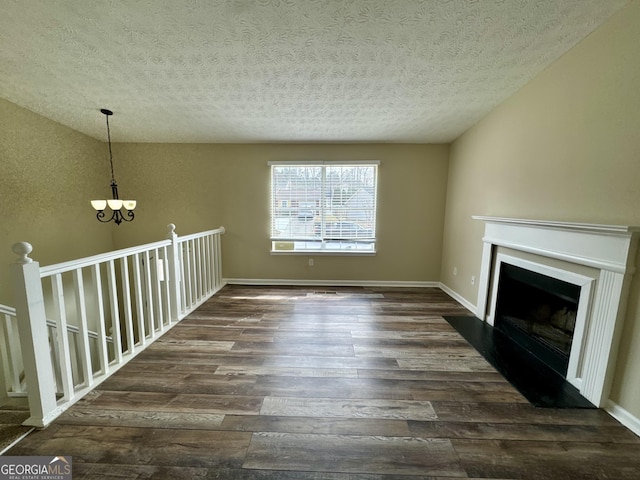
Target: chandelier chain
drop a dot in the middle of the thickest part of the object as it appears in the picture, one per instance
(113, 178)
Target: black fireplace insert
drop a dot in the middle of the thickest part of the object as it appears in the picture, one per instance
(539, 313)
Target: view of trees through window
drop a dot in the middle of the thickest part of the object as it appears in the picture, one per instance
(323, 207)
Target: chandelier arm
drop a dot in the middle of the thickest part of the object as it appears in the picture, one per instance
(119, 217)
(102, 217)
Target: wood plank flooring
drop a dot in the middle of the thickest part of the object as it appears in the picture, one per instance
(13, 413)
(364, 383)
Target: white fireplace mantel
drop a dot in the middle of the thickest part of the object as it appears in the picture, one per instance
(609, 249)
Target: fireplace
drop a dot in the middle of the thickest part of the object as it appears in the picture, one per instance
(581, 307)
(539, 313)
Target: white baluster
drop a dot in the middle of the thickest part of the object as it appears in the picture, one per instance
(183, 278)
(11, 355)
(218, 259)
(62, 337)
(166, 292)
(126, 303)
(103, 349)
(187, 255)
(6, 367)
(173, 258)
(209, 262)
(149, 295)
(198, 270)
(157, 291)
(84, 351)
(137, 283)
(115, 312)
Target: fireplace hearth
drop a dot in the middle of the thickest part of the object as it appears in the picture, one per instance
(538, 313)
(541, 385)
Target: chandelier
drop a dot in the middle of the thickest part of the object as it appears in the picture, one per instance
(115, 204)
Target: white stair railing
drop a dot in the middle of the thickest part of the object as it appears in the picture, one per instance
(103, 311)
(12, 371)
(12, 381)
(198, 254)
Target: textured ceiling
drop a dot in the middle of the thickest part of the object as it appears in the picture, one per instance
(281, 70)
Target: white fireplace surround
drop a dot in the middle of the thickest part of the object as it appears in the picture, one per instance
(610, 252)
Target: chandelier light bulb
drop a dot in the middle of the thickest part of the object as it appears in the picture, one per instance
(114, 204)
(129, 204)
(99, 204)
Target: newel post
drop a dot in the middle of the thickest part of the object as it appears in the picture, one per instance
(34, 338)
(174, 273)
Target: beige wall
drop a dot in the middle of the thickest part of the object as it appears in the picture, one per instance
(204, 186)
(48, 174)
(566, 147)
(172, 183)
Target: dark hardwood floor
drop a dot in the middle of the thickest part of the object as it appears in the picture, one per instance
(12, 413)
(345, 383)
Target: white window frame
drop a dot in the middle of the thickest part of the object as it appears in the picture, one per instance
(295, 245)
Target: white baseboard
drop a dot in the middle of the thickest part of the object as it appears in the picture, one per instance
(623, 416)
(459, 298)
(325, 283)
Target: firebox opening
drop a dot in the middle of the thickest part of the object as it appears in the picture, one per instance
(538, 312)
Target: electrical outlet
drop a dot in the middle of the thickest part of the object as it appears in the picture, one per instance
(311, 262)
(473, 279)
(455, 271)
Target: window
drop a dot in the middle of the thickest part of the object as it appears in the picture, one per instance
(323, 207)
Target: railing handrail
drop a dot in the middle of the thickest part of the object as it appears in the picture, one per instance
(63, 267)
(6, 310)
(193, 236)
(76, 330)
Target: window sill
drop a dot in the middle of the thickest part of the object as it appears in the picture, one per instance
(337, 253)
